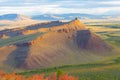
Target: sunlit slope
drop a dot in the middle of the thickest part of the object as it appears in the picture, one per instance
(64, 44)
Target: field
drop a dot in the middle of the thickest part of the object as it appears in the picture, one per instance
(107, 30)
(99, 71)
(106, 69)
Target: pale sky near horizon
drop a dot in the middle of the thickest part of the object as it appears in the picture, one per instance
(33, 7)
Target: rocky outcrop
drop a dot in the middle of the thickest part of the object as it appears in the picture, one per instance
(30, 43)
(87, 40)
(63, 44)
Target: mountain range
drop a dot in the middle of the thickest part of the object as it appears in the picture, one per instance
(54, 16)
(13, 17)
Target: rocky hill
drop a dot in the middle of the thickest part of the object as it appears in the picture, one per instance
(60, 44)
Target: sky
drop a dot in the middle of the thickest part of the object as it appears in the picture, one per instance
(36, 7)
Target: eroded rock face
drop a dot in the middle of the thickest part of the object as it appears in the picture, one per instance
(85, 39)
(82, 38)
(35, 41)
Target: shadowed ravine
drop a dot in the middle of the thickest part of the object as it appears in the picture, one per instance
(87, 40)
(17, 57)
(82, 38)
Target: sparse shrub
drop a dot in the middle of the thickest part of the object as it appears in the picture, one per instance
(59, 73)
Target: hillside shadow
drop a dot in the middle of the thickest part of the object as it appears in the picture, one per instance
(82, 38)
(16, 59)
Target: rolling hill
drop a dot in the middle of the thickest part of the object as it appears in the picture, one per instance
(54, 44)
(13, 17)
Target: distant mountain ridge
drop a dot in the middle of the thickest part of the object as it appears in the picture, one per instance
(54, 16)
(65, 16)
(14, 17)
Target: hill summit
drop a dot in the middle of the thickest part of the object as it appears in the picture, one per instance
(83, 37)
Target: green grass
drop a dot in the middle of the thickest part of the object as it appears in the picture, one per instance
(100, 75)
(110, 37)
(115, 40)
(117, 25)
(65, 68)
(98, 71)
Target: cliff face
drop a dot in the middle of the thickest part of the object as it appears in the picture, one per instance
(85, 39)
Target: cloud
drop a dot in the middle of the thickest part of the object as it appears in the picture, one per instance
(111, 3)
(53, 9)
(29, 9)
(58, 6)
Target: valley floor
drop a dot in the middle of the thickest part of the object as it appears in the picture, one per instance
(98, 71)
